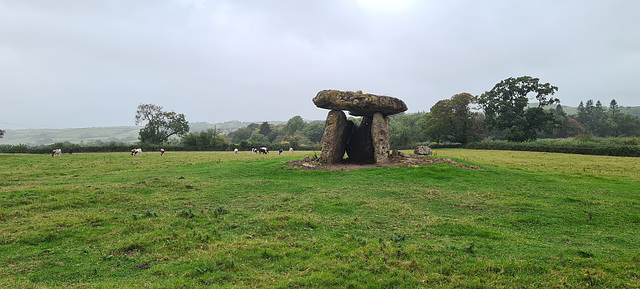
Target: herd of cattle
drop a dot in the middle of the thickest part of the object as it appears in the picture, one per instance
(136, 152)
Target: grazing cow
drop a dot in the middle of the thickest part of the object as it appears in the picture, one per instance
(161, 152)
(56, 152)
(254, 150)
(135, 152)
(290, 149)
(235, 151)
(263, 150)
(280, 151)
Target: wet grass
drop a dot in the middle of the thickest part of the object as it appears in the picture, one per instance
(207, 219)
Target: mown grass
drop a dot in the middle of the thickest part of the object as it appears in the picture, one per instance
(203, 219)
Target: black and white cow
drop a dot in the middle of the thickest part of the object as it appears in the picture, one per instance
(263, 150)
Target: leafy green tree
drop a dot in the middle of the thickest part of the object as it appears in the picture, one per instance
(294, 140)
(314, 131)
(253, 126)
(452, 120)
(257, 139)
(294, 124)
(209, 139)
(241, 134)
(506, 108)
(406, 129)
(160, 124)
(276, 131)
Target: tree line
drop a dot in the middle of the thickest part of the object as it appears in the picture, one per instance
(161, 126)
(521, 110)
(518, 109)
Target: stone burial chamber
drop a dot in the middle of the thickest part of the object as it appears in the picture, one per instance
(367, 142)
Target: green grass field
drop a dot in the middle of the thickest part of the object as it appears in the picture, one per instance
(214, 219)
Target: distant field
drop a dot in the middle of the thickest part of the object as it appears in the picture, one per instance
(117, 134)
(33, 137)
(208, 219)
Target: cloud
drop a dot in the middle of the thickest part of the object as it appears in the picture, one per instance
(265, 60)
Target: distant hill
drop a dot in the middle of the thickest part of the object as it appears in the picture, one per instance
(92, 135)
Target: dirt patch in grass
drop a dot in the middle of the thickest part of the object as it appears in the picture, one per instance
(397, 159)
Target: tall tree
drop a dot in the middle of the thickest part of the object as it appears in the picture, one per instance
(294, 124)
(407, 129)
(569, 128)
(581, 113)
(265, 129)
(613, 117)
(561, 116)
(241, 134)
(596, 120)
(160, 124)
(452, 120)
(614, 109)
(506, 108)
(600, 119)
(257, 139)
(314, 131)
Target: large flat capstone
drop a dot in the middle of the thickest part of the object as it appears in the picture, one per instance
(358, 103)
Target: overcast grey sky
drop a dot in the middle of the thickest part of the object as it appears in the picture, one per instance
(81, 63)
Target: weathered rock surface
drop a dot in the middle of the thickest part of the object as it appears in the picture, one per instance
(358, 103)
(335, 137)
(360, 145)
(366, 143)
(380, 135)
(422, 150)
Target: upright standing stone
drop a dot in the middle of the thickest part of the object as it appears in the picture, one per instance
(334, 139)
(380, 134)
(360, 146)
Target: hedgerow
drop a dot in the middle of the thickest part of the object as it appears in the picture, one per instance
(625, 147)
